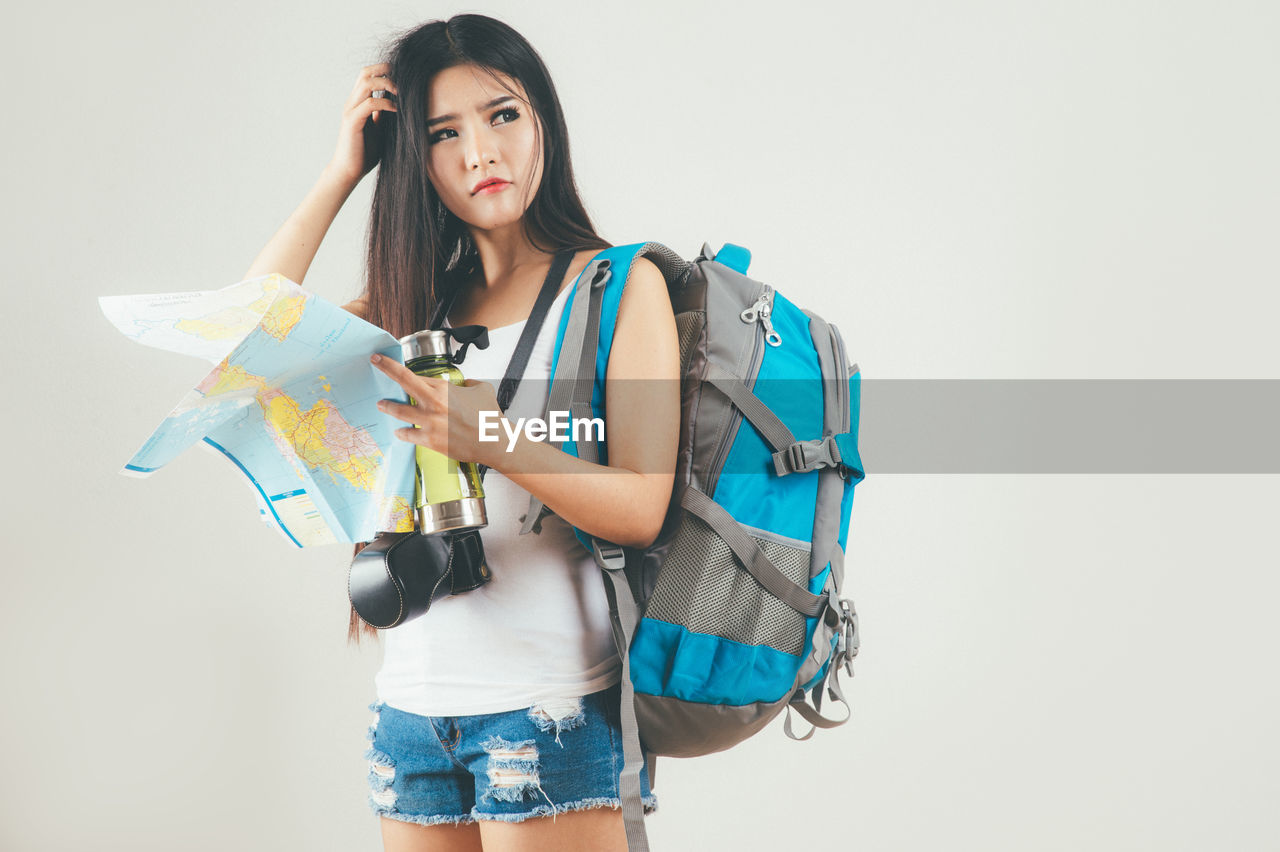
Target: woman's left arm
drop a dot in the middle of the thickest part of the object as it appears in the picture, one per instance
(624, 502)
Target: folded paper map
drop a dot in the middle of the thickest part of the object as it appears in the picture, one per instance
(292, 403)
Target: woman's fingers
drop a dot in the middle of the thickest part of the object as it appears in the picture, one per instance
(381, 86)
(369, 80)
(397, 372)
(371, 106)
(421, 437)
(364, 98)
(413, 384)
(400, 411)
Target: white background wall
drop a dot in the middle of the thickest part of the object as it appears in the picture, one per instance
(970, 190)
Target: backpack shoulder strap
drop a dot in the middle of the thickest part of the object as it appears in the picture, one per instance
(579, 366)
(584, 339)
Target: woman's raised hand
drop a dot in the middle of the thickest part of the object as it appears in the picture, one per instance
(359, 140)
(294, 246)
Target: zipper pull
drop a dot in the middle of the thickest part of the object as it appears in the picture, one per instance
(750, 314)
(760, 310)
(771, 337)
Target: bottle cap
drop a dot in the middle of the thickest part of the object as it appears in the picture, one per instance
(424, 344)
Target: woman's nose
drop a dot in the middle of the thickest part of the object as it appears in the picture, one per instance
(480, 150)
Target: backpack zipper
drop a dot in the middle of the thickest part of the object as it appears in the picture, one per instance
(749, 315)
(760, 310)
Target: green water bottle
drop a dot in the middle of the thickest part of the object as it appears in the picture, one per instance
(447, 494)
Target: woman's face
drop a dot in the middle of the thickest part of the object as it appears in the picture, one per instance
(477, 130)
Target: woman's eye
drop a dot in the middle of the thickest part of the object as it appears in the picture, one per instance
(509, 114)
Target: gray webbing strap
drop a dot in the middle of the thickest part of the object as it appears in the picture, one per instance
(842, 617)
(826, 527)
(823, 342)
(750, 555)
(789, 455)
(837, 565)
(814, 717)
(786, 724)
(623, 616)
(839, 617)
(532, 520)
(583, 385)
(766, 422)
(574, 352)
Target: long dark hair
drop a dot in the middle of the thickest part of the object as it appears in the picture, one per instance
(419, 252)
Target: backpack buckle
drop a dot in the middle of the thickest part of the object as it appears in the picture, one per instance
(609, 556)
(842, 618)
(850, 638)
(804, 456)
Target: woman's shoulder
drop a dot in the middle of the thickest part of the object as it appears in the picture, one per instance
(644, 269)
(645, 283)
(645, 344)
(640, 266)
(644, 274)
(645, 307)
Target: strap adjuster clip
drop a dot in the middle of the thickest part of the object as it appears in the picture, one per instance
(804, 456)
(609, 556)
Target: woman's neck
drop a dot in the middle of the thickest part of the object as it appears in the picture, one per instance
(504, 255)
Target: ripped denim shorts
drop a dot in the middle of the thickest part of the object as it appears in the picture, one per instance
(555, 757)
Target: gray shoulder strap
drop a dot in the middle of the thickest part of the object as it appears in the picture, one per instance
(574, 381)
(572, 384)
(624, 615)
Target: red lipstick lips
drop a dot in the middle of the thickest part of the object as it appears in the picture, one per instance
(489, 183)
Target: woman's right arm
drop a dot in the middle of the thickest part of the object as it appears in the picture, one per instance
(294, 246)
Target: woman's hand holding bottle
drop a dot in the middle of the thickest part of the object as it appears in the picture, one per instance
(447, 415)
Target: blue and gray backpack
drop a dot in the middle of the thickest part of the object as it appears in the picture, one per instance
(734, 613)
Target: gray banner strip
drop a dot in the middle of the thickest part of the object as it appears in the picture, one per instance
(1070, 426)
(1033, 425)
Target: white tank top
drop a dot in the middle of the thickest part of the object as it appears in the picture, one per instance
(539, 630)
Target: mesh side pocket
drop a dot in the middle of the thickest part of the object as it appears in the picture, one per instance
(702, 588)
(688, 328)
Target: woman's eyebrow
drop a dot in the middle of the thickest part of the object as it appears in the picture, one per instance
(493, 103)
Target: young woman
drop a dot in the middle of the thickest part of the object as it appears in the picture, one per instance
(496, 720)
